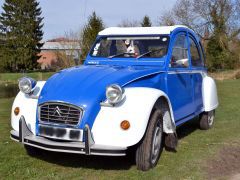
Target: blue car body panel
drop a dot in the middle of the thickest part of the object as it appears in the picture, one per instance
(85, 86)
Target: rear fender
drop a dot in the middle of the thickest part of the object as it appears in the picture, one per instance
(210, 97)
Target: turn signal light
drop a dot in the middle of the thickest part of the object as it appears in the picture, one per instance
(125, 125)
(16, 111)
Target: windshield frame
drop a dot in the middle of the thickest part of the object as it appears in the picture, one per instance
(99, 38)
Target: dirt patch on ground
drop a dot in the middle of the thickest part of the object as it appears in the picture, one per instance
(231, 74)
(226, 165)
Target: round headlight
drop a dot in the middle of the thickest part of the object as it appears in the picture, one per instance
(114, 94)
(26, 84)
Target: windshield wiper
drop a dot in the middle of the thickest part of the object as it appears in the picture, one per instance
(120, 54)
(148, 52)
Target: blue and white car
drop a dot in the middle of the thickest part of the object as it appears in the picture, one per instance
(136, 87)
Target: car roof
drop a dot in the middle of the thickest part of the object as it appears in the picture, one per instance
(140, 30)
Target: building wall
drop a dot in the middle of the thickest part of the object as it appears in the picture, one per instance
(47, 58)
(51, 49)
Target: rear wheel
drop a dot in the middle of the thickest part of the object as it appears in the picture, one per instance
(150, 148)
(206, 120)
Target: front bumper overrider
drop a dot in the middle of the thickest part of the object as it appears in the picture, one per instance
(88, 147)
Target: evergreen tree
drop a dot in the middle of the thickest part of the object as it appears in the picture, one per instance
(219, 57)
(2, 46)
(146, 22)
(89, 33)
(21, 23)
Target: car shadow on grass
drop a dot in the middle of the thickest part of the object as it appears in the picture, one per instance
(88, 162)
(188, 128)
(106, 162)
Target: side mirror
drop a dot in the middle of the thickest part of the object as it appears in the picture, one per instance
(182, 62)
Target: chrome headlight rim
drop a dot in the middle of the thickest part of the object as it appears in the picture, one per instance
(118, 89)
(26, 81)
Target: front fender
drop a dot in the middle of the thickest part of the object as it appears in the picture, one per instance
(28, 108)
(136, 108)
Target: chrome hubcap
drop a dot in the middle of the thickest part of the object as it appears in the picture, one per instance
(210, 117)
(156, 144)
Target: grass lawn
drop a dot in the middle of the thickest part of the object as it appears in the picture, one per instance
(196, 148)
(13, 77)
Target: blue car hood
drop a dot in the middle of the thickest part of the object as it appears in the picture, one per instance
(85, 86)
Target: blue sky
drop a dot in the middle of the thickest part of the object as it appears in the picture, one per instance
(62, 16)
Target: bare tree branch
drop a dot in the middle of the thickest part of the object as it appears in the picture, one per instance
(167, 19)
(128, 23)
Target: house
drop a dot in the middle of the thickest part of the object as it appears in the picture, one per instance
(52, 49)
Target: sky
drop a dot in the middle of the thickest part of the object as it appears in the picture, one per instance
(62, 16)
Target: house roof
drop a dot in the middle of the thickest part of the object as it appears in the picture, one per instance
(62, 39)
(139, 30)
(60, 45)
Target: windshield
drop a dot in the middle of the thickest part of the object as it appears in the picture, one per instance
(131, 47)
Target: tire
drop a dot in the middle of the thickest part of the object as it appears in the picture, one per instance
(32, 151)
(150, 148)
(206, 120)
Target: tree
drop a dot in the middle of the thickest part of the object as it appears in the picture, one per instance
(89, 33)
(217, 22)
(2, 42)
(128, 23)
(69, 52)
(21, 23)
(146, 22)
(167, 19)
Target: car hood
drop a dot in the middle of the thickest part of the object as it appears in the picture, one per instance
(85, 86)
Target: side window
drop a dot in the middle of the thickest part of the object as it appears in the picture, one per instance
(179, 58)
(195, 55)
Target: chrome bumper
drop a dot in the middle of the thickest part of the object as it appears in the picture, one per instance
(25, 136)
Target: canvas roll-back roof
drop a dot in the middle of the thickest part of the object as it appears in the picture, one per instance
(139, 30)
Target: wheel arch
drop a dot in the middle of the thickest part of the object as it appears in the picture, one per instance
(163, 103)
(209, 94)
(137, 108)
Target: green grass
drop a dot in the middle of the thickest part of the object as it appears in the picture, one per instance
(13, 77)
(195, 148)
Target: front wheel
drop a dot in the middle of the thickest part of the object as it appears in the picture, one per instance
(150, 148)
(206, 120)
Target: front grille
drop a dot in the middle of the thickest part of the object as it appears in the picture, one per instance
(60, 113)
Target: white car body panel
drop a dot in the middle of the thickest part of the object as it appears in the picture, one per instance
(210, 97)
(139, 30)
(132, 109)
(28, 108)
(136, 109)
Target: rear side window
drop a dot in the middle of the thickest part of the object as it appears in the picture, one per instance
(196, 59)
